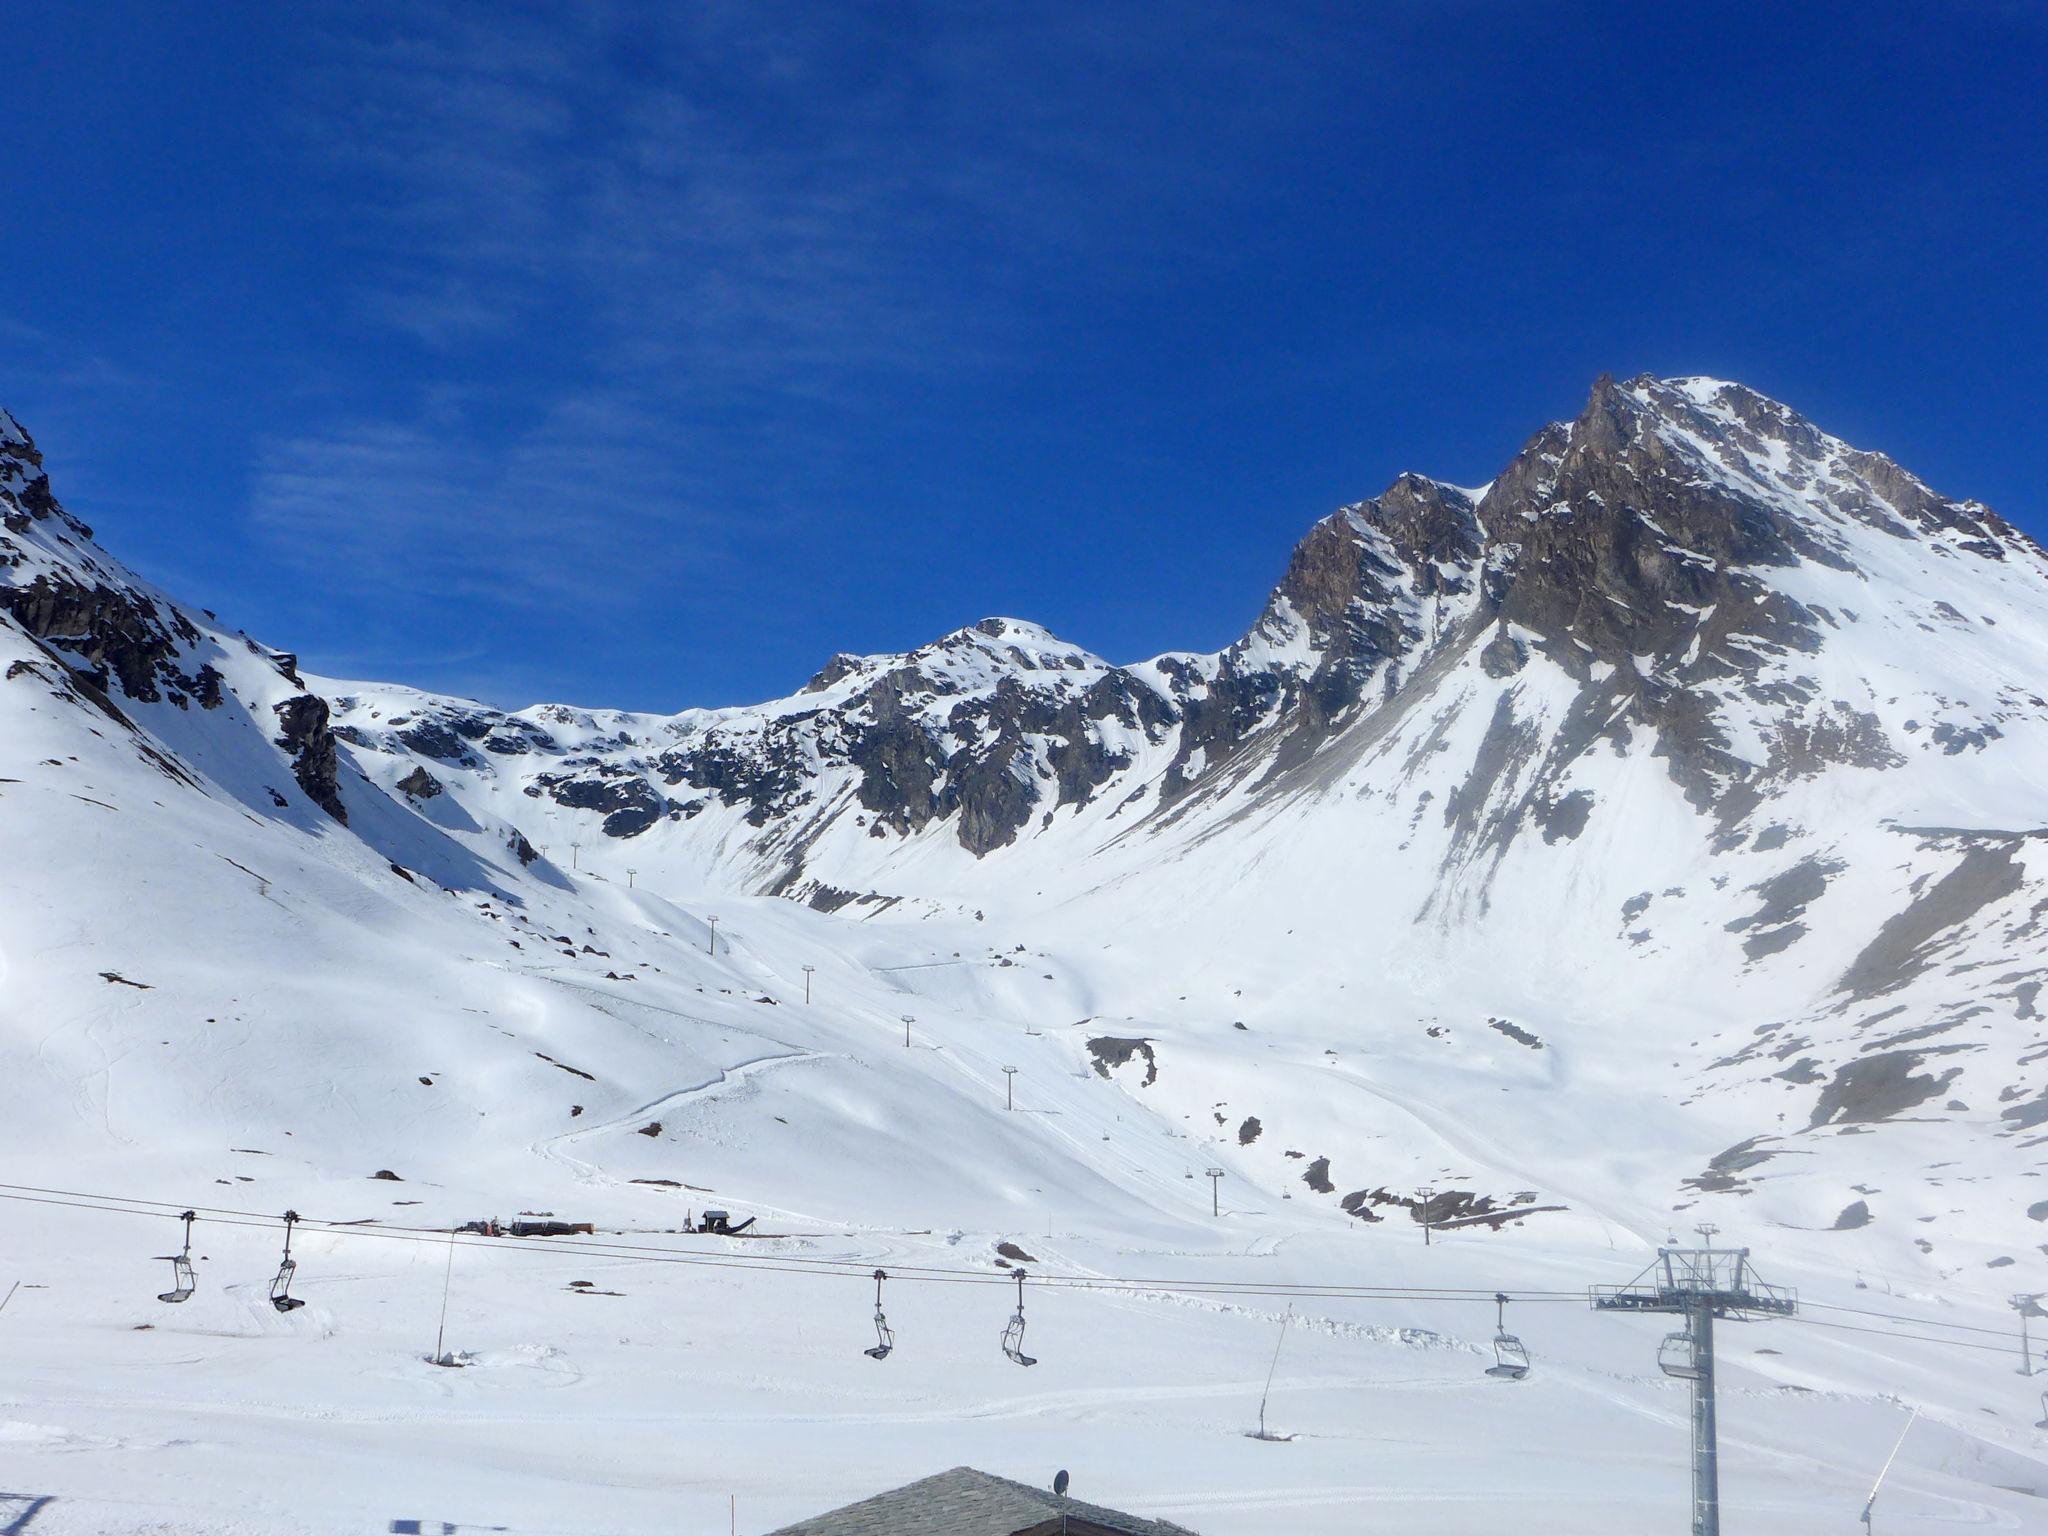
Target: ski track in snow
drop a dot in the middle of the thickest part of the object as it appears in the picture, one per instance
(654, 1109)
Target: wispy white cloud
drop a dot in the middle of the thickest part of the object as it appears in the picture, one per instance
(661, 264)
(581, 506)
(762, 192)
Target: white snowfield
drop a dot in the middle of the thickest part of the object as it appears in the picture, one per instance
(1342, 979)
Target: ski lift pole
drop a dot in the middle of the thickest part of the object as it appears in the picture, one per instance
(1706, 1445)
(1270, 1369)
(447, 1282)
(1700, 1285)
(1885, 1472)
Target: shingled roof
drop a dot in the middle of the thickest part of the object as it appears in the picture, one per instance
(964, 1502)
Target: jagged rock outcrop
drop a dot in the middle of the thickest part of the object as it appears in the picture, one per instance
(1654, 549)
(114, 639)
(419, 785)
(304, 733)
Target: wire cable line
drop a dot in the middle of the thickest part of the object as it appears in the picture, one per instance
(863, 1269)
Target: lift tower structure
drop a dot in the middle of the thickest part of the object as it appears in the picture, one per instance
(1699, 1285)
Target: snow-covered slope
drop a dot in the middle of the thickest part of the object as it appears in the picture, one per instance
(1695, 711)
(1650, 836)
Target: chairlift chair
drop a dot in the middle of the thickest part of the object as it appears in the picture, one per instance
(1676, 1357)
(1510, 1356)
(182, 1283)
(281, 1296)
(1013, 1334)
(885, 1336)
(2044, 1412)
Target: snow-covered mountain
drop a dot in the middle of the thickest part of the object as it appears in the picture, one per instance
(1682, 553)
(1693, 701)
(1656, 829)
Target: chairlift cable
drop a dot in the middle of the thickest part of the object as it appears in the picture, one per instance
(1915, 1338)
(832, 1267)
(846, 1268)
(1901, 1317)
(121, 1203)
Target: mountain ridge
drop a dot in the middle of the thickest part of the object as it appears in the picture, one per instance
(1368, 589)
(1692, 700)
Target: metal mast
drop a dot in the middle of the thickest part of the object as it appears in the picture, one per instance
(1699, 1285)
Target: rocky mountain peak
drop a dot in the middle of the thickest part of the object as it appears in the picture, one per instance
(14, 439)
(24, 487)
(978, 655)
(1677, 552)
(1681, 551)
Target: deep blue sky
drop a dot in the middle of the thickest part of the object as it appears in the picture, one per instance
(648, 356)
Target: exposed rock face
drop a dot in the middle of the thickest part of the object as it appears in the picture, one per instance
(419, 785)
(303, 731)
(1877, 1088)
(997, 726)
(115, 640)
(119, 645)
(24, 487)
(1639, 547)
(1112, 1052)
(630, 803)
(119, 641)
(1901, 949)
(1612, 546)
(1355, 593)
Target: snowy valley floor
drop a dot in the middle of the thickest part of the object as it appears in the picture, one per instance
(702, 1397)
(651, 1409)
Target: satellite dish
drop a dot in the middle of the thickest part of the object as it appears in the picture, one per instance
(1059, 1482)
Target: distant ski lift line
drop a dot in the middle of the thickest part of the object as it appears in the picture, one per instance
(125, 1205)
(235, 1216)
(229, 1216)
(830, 1268)
(837, 1268)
